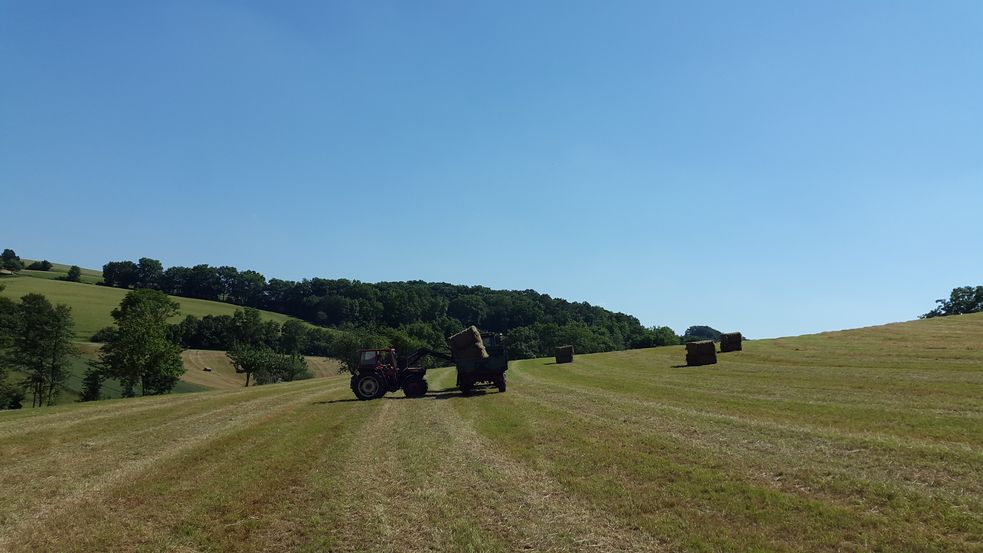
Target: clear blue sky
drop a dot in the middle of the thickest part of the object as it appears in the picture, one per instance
(774, 167)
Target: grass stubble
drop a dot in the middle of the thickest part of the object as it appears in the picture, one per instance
(860, 440)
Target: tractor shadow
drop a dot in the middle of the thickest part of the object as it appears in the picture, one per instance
(446, 393)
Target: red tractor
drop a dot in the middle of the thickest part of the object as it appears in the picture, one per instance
(379, 372)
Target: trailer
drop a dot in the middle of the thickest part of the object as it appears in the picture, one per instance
(380, 371)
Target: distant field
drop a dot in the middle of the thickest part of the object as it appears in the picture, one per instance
(222, 375)
(91, 305)
(864, 440)
(60, 271)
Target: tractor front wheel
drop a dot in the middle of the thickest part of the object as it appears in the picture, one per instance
(367, 386)
(415, 386)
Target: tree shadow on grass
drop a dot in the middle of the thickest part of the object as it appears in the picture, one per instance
(328, 402)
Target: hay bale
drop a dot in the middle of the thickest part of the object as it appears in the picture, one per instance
(701, 353)
(731, 341)
(564, 354)
(467, 345)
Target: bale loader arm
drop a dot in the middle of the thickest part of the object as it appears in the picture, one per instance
(412, 358)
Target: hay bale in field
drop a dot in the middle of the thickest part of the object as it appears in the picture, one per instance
(564, 354)
(730, 341)
(701, 353)
(467, 345)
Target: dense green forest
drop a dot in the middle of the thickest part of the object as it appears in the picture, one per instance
(403, 313)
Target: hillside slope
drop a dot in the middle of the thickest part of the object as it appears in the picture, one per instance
(60, 271)
(860, 440)
(221, 375)
(91, 305)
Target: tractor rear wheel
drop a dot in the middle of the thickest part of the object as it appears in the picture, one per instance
(466, 385)
(415, 386)
(367, 386)
(500, 382)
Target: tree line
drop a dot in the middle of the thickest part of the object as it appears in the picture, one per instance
(36, 345)
(961, 301)
(142, 350)
(421, 312)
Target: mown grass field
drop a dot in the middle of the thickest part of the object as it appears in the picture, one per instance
(865, 440)
(60, 271)
(91, 305)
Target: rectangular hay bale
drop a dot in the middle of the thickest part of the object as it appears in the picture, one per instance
(467, 345)
(731, 341)
(564, 354)
(701, 353)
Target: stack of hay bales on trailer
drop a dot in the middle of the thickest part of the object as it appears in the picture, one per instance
(730, 341)
(564, 354)
(467, 345)
(701, 353)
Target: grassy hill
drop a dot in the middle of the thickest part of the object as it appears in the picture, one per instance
(91, 305)
(59, 271)
(205, 370)
(861, 440)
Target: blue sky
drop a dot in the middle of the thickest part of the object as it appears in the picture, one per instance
(773, 167)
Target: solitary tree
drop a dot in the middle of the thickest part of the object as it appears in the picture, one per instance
(74, 274)
(10, 261)
(267, 366)
(248, 359)
(962, 300)
(701, 332)
(139, 351)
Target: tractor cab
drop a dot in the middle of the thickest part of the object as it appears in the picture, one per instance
(375, 359)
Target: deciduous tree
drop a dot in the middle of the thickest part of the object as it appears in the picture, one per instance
(42, 346)
(10, 260)
(139, 351)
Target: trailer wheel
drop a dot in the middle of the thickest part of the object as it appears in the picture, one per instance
(500, 382)
(367, 386)
(415, 386)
